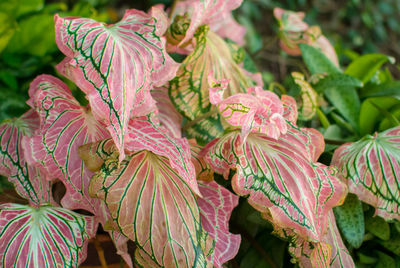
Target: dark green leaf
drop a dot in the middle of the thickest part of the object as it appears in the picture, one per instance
(316, 61)
(389, 89)
(337, 80)
(393, 245)
(385, 261)
(378, 227)
(350, 219)
(366, 66)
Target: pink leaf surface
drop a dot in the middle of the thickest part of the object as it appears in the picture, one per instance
(371, 168)
(145, 134)
(257, 111)
(116, 65)
(203, 170)
(65, 125)
(43, 237)
(153, 206)
(28, 181)
(215, 13)
(216, 207)
(281, 177)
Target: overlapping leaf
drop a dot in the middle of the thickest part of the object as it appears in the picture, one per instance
(203, 170)
(152, 205)
(216, 207)
(371, 168)
(215, 13)
(43, 237)
(115, 65)
(65, 126)
(281, 177)
(309, 98)
(189, 91)
(29, 182)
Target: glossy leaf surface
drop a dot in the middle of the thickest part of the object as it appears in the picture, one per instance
(216, 207)
(28, 181)
(65, 125)
(371, 168)
(281, 177)
(43, 237)
(115, 65)
(153, 206)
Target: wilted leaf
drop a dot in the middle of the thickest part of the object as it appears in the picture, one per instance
(115, 65)
(43, 237)
(371, 168)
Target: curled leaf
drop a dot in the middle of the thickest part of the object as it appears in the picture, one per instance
(115, 65)
(371, 168)
(309, 98)
(43, 237)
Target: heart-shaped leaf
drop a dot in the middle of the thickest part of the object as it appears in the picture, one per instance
(216, 207)
(281, 177)
(151, 204)
(43, 237)
(65, 125)
(371, 168)
(115, 65)
(28, 181)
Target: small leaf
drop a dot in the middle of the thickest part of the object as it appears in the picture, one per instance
(364, 67)
(385, 261)
(388, 89)
(378, 227)
(316, 61)
(43, 236)
(350, 219)
(371, 167)
(392, 245)
(203, 170)
(337, 80)
(309, 98)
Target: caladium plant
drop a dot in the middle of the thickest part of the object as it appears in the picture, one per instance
(125, 157)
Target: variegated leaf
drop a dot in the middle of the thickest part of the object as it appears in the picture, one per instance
(203, 170)
(281, 177)
(215, 13)
(65, 125)
(309, 98)
(115, 65)
(28, 181)
(152, 205)
(371, 168)
(189, 91)
(216, 207)
(121, 244)
(257, 111)
(145, 134)
(167, 114)
(43, 237)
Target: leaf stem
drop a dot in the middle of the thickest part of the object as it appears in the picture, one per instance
(100, 252)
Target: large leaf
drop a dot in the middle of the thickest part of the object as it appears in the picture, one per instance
(29, 182)
(115, 65)
(281, 178)
(371, 168)
(216, 207)
(65, 125)
(43, 237)
(153, 206)
(189, 90)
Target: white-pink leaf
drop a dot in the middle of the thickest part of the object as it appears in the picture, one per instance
(216, 207)
(115, 65)
(28, 181)
(65, 125)
(43, 237)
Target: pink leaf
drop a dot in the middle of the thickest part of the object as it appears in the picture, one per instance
(371, 168)
(203, 170)
(65, 126)
(280, 177)
(145, 134)
(43, 237)
(151, 204)
(115, 65)
(215, 209)
(29, 182)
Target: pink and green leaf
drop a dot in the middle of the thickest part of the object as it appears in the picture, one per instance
(203, 170)
(216, 207)
(371, 168)
(28, 181)
(152, 205)
(280, 177)
(115, 65)
(43, 237)
(65, 125)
